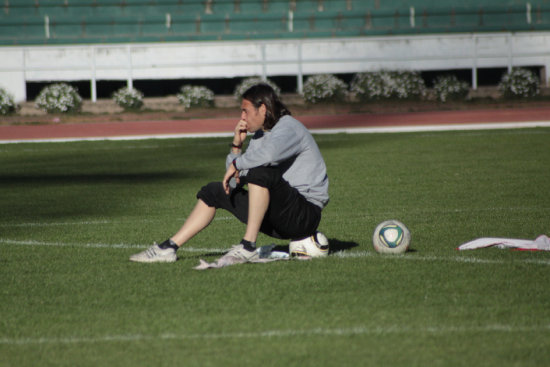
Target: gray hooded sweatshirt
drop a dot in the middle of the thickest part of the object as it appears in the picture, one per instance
(290, 146)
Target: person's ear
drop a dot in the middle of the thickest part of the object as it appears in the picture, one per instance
(262, 110)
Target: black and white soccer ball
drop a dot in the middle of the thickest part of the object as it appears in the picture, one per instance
(312, 246)
(391, 237)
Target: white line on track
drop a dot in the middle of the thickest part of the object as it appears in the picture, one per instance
(439, 127)
(345, 130)
(359, 330)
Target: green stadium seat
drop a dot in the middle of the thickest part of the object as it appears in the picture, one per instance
(67, 28)
(278, 6)
(220, 6)
(307, 6)
(81, 21)
(541, 16)
(258, 24)
(209, 24)
(251, 7)
(17, 30)
(185, 25)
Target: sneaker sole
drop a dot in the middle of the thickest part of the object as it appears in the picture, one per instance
(155, 260)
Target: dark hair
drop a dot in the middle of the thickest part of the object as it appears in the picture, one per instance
(263, 94)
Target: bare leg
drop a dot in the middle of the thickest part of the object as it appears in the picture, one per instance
(200, 218)
(258, 202)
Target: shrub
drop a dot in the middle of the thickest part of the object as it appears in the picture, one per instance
(448, 87)
(192, 95)
(324, 88)
(402, 84)
(372, 85)
(59, 97)
(7, 104)
(409, 84)
(519, 83)
(249, 82)
(128, 98)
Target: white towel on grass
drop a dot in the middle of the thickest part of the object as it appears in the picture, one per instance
(541, 243)
(266, 255)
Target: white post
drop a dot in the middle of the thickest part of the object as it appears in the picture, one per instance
(130, 82)
(93, 86)
(474, 66)
(510, 52)
(264, 62)
(290, 21)
(411, 17)
(300, 71)
(47, 26)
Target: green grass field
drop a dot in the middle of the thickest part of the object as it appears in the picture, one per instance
(72, 214)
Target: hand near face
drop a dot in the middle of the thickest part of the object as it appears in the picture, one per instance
(240, 133)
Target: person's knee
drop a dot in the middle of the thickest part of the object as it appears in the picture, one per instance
(266, 177)
(210, 194)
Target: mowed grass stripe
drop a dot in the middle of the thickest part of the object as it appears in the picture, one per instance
(98, 245)
(96, 222)
(344, 332)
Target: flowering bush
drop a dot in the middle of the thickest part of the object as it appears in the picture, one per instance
(400, 84)
(7, 105)
(371, 85)
(249, 82)
(323, 88)
(192, 95)
(128, 98)
(59, 98)
(519, 83)
(448, 87)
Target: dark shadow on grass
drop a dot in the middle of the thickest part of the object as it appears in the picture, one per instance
(335, 246)
(90, 178)
(340, 246)
(202, 256)
(34, 196)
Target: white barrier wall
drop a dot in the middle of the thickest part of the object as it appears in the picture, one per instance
(129, 62)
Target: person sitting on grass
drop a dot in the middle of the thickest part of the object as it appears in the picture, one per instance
(286, 180)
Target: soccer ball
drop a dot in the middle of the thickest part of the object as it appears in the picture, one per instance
(312, 246)
(391, 237)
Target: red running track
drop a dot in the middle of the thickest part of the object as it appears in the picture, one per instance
(205, 126)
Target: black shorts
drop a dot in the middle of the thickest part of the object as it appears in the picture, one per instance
(289, 215)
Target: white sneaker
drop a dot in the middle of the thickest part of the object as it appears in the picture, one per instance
(312, 246)
(155, 254)
(240, 254)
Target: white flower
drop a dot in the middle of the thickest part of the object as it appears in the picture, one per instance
(324, 87)
(58, 98)
(449, 87)
(128, 98)
(520, 83)
(7, 104)
(388, 84)
(192, 95)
